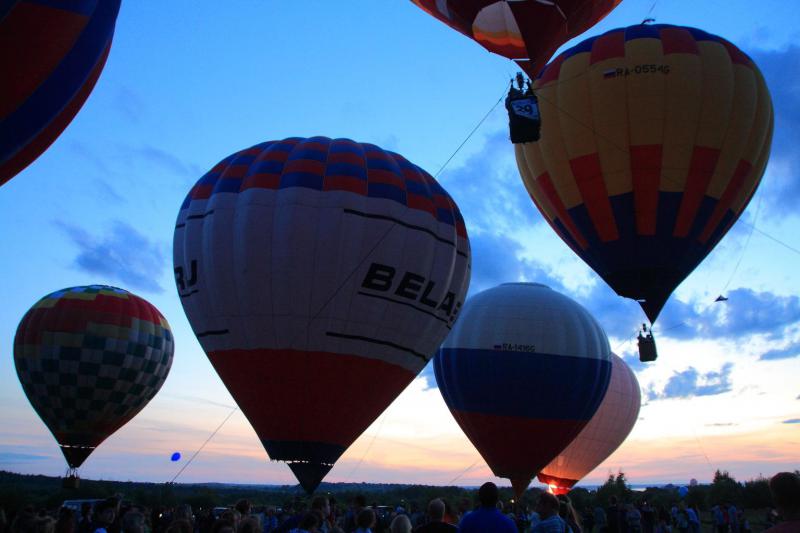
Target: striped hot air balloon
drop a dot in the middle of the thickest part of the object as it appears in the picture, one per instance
(522, 372)
(653, 140)
(529, 31)
(89, 359)
(319, 276)
(605, 432)
(51, 54)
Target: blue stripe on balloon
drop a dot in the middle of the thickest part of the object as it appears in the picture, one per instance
(301, 179)
(530, 385)
(346, 169)
(384, 190)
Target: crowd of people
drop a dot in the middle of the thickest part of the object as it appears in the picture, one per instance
(551, 514)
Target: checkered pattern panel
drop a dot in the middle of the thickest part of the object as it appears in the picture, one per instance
(89, 359)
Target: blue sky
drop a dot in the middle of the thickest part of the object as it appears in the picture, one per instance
(189, 82)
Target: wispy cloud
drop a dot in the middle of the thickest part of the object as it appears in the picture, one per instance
(792, 421)
(13, 457)
(166, 161)
(783, 190)
(787, 352)
(123, 254)
(691, 383)
(721, 424)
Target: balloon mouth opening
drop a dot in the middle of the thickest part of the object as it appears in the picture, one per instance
(305, 462)
(525, 284)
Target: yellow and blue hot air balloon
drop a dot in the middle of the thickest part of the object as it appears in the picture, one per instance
(653, 140)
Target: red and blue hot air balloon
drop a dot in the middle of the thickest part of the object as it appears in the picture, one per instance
(319, 275)
(51, 54)
(522, 372)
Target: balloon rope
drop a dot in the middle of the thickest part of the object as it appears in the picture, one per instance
(204, 444)
(470, 467)
(369, 447)
(478, 125)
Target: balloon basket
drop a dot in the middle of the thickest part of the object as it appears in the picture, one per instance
(71, 482)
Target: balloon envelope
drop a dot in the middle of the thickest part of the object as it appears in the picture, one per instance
(89, 359)
(175, 457)
(51, 55)
(319, 275)
(608, 428)
(683, 491)
(528, 31)
(522, 372)
(653, 141)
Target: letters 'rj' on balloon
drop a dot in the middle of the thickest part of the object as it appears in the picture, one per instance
(52, 54)
(654, 139)
(605, 432)
(89, 359)
(319, 276)
(529, 31)
(522, 372)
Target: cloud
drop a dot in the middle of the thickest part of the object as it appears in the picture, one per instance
(13, 457)
(721, 424)
(792, 421)
(788, 352)
(167, 161)
(123, 254)
(690, 383)
(782, 190)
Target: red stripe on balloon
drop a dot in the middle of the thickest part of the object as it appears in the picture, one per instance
(728, 196)
(701, 168)
(589, 179)
(677, 41)
(33, 31)
(607, 47)
(646, 174)
(288, 394)
(550, 193)
(516, 447)
(345, 183)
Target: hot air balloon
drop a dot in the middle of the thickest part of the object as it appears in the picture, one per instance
(608, 428)
(52, 54)
(319, 275)
(522, 372)
(89, 359)
(653, 140)
(528, 31)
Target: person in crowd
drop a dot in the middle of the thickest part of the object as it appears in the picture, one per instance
(105, 513)
(733, 518)
(223, 525)
(308, 523)
(322, 507)
(664, 522)
(351, 519)
(633, 519)
(450, 514)
(85, 519)
(568, 514)
(682, 519)
(65, 522)
(182, 526)
(436, 519)
(600, 520)
(548, 507)
(613, 516)
(365, 521)
(249, 524)
(270, 520)
(400, 524)
(244, 507)
(133, 522)
(487, 517)
(648, 517)
(785, 489)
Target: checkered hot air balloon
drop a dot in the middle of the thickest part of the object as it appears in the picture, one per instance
(319, 275)
(653, 140)
(89, 359)
(528, 31)
(605, 432)
(51, 54)
(522, 372)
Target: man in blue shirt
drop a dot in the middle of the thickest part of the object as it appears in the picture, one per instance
(487, 517)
